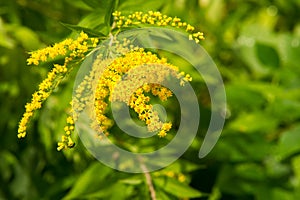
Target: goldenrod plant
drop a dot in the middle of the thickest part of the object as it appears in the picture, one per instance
(120, 74)
(74, 51)
(69, 45)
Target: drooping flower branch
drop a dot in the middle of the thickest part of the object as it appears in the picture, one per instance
(72, 50)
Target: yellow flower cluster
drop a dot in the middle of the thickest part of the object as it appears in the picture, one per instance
(114, 87)
(158, 19)
(121, 79)
(66, 140)
(76, 48)
(71, 49)
(84, 96)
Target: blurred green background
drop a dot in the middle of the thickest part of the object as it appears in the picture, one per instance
(256, 46)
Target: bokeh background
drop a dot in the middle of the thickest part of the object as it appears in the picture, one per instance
(256, 46)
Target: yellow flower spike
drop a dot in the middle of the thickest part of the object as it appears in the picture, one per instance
(61, 49)
(66, 140)
(71, 49)
(156, 18)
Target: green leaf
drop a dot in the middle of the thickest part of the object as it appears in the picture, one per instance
(79, 4)
(257, 48)
(114, 191)
(109, 10)
(140, 5)
(267, 55)
(215, 194)
(176, 188)
(289, 142)
(238, 147)
(242, 97)
(7, 160)
(26, 37)
(5, 40)
(254, 122)
(105, 7)
(94, 20)
(281, 193)
(132, 181)
(285, 110)
(90, 181)
(161, 195)
(296, 169)
(182, 166)
(250, 171)
(275, 168)
(289, 49)
(89, 31)
(96, 3)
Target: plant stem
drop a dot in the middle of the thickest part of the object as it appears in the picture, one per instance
(148, 180)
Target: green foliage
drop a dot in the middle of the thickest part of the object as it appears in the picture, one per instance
(256, 46)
